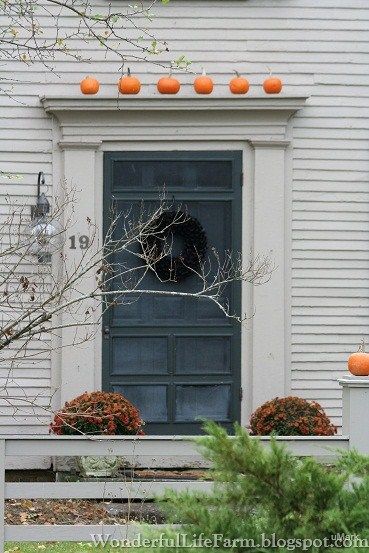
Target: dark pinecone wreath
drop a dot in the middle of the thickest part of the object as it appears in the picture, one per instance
(172, 224)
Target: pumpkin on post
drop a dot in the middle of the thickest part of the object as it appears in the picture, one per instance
(358, 363)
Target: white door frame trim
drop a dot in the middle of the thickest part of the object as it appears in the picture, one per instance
(85, 127)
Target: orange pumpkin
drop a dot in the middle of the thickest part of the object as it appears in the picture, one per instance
(358, 363)
(168, 85)
(239, 85)
(89, 85)
(272, 85)
(203, 84)
(129, 84)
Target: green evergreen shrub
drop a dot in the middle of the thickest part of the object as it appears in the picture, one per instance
(260, 490)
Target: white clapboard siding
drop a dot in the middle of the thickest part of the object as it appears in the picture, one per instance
(318, 47)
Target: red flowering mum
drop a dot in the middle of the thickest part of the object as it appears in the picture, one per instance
(291, 416)
(98, 413)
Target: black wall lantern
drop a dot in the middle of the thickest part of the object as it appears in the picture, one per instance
(45, 233)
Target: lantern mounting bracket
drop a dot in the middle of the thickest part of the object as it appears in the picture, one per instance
(42, 206)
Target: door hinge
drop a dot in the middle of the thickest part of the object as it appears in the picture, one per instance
(106, 332)
(241, 394)
(241, 178)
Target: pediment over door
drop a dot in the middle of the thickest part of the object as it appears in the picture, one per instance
(254, 118)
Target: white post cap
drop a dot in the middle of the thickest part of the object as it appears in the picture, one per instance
(354, 381)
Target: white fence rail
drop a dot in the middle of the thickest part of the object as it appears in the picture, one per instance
(147, 451)
(144, 450)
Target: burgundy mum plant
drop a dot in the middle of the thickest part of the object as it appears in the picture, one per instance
(291, 416)
(98, 413)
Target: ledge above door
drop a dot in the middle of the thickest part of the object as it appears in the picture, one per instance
(99, 119)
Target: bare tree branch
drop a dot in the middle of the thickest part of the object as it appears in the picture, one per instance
(37, 305)
(26, 33)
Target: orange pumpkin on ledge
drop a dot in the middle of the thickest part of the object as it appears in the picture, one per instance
(272, 85)
(89, 85)
(129, 84)
(168, 85)
(239, 85)
(203, 84)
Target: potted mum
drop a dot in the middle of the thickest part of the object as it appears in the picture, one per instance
(291, 416)
(98, 413)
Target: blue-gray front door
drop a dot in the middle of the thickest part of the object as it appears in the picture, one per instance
(177, 359)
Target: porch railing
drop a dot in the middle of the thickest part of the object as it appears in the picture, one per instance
(145, 451)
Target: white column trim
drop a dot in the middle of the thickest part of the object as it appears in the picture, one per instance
(79, 360)
(280, 144)
(65, 145)
(269, 329)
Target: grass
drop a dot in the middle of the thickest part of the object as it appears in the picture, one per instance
(50, 547)
(67, 547)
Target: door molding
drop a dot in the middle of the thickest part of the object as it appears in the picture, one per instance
(262, 127)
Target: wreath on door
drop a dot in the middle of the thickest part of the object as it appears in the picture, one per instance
(169, 225)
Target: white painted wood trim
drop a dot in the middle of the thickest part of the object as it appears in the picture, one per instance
(356, 411)
(260, 127)
(86, 145)
(58, 104)
(354, 381)
(150, 446)
(130, 489)
(78, 360)
(288, 248)
(28, 463)
(269, 362)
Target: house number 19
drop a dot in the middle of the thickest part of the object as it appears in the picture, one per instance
(83, 242)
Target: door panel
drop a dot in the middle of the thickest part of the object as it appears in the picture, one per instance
(203, 400)
(177, 359)
(203, 354)
(139, 355)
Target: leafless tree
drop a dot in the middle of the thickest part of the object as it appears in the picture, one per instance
(40, 32)
(37, 303)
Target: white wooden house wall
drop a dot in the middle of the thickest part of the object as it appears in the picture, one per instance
(319, 48)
